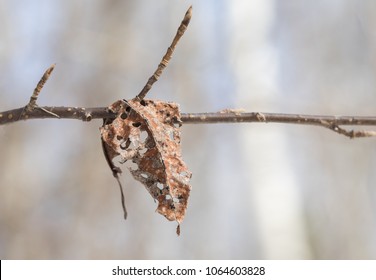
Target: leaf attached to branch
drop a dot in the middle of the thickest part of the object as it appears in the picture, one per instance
(147, 132)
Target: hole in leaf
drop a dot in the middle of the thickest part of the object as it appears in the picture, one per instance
(160, 186)
(133, 145)
(108, 121)
(175, 200)
(144, 175)
(136, 124)
(143, 151)
(168, 197)
(183, 174)
(131, 165)
(125, 144)
(143, 136)
(171, 135)
(118, 158)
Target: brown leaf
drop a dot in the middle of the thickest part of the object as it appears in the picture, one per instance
(147, 133)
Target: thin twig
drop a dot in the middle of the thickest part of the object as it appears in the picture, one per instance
(33, 99)
(167, 57)
(47, 112)
(349, 133)
(330, 122)
(32, 105)
(227, 116)
(248, 117)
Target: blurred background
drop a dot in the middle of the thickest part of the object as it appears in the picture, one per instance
(259, 191)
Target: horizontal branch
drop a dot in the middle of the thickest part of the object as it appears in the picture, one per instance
(232, 116)
(48, 112)
(225, 116)
(330, 122)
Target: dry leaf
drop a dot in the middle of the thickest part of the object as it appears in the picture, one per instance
(147, 133)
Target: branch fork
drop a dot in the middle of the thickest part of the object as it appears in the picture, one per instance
(32, 105)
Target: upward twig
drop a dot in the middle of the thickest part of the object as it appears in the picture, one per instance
(33, 99)
(32, 105)
(166, 58)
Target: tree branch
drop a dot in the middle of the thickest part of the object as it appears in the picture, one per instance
(330, 122)
(167, 57)
(225, 116)
(33, 111)
(33, 99)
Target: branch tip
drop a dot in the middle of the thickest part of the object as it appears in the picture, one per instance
(33, 99)
(167, 57)
(188, 16)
